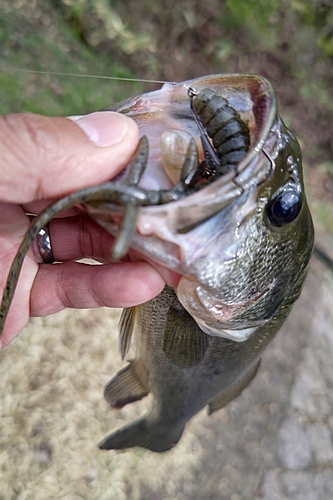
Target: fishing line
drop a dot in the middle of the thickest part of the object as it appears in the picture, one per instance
(15, 70)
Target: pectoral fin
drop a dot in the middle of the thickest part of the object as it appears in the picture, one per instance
(234, 390)
(126, 328)
(184, 343)
(129, 384)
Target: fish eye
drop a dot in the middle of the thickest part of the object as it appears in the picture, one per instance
(285, 207)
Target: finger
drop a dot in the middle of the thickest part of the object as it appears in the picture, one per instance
(18, 315)
(42, 157)
(87, 286)
(78, 237)
(170, 277)
(13, 224)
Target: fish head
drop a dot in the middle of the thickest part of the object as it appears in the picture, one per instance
(241, 243)
(256, 252)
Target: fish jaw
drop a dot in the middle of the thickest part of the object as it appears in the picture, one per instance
(160, 229)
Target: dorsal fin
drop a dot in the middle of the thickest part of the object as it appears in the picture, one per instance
(126, 329)
(184, 343)
(233, 390)
(128, 385)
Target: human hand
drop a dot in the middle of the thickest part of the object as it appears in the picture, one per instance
(42, 159)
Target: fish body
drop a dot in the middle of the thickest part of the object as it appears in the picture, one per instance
(242, 245)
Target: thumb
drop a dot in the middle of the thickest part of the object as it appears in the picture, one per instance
(43, 157)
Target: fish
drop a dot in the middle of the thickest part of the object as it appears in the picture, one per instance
(215, 193)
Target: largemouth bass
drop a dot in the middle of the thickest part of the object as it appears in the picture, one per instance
(219, 198)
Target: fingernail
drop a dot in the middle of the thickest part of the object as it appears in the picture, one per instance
(104, 128)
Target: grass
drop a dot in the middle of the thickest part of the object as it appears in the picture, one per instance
(45, 42)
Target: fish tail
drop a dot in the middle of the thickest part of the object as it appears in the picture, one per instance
(145, 433)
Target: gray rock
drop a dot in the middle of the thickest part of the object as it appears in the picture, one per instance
(294, 447)
(270, 489)
(307, 485)
(320, 440)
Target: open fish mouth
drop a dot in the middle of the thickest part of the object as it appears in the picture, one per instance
(163, 231)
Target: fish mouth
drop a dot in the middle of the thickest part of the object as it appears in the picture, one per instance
(169, 109)
(164, 232)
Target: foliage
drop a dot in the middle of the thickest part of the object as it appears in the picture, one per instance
(41, 40)
(288, 41)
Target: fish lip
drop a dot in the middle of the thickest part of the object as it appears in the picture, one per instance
(237, 333)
